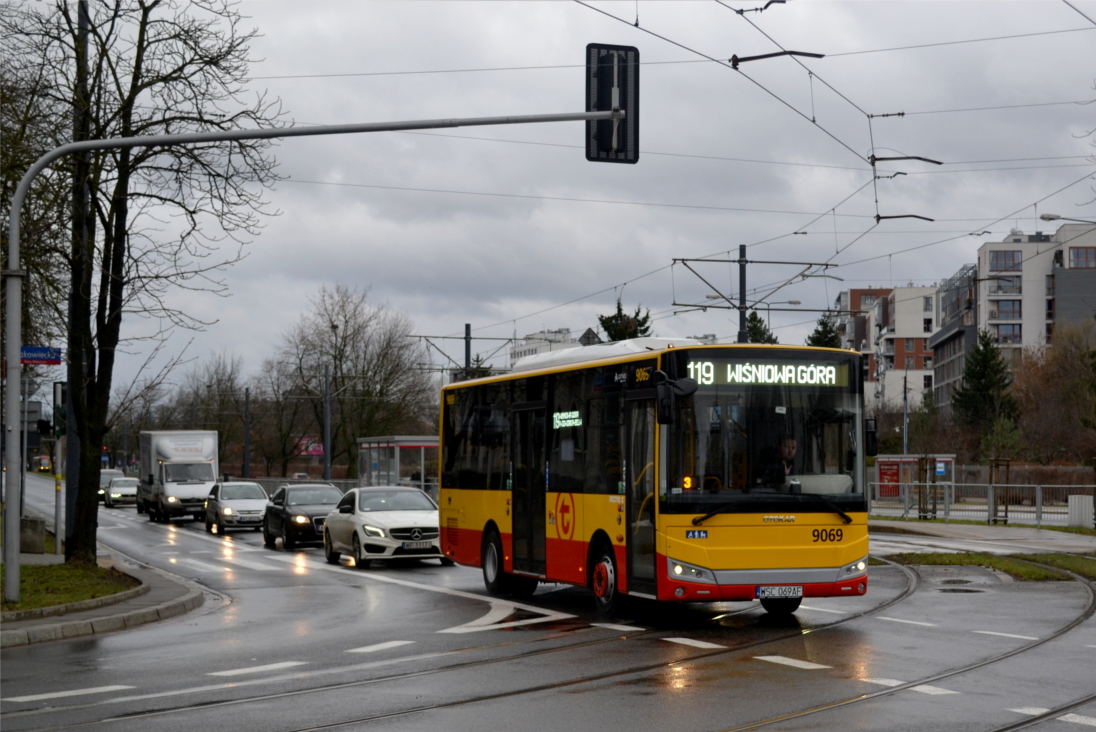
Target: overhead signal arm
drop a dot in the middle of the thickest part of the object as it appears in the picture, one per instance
(736, 59)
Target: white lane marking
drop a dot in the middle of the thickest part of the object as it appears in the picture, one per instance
(201, 551)
(694, 643)
(380, 646)
(910, 622)
(258, 669)
(791, 662)
(884, 682)
(203, 565)
(1090, 646)
(1088, 721)
(1004, 635)
(926, 689)
(60, 694)
(499, 611)
(1030, 711)
(547, 615)
(249, 565)
(821, 609)
(614, 626)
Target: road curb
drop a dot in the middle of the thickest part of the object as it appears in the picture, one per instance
(73, 607)
(194, 598)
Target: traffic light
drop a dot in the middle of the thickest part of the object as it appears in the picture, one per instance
(612, 82)
(60, 408)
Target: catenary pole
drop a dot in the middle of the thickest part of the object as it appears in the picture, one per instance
(13, 276)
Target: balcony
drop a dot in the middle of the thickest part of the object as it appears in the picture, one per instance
(1007, 340)
(999, 290)
(1004, 315)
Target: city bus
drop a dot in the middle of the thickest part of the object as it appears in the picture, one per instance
(663, 469)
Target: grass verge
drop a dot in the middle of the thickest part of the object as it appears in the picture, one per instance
(1013, 567)
(1082, 564)
(1064, 529)
(59, 584)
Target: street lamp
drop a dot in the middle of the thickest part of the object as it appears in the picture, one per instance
(768, 311)
(1056, 217)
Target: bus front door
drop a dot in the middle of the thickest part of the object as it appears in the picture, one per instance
(528, 490)
(640, 498)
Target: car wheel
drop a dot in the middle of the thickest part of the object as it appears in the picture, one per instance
(268, 539)
(781, 605)
(359, 556)
(447, 562)
(107, 503)
(140, 507)
(209, 525)
(494, 577)
(603, 581)
(220, 527)
(288, 542)
(329, 554)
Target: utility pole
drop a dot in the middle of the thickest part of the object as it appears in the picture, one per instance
(467, 350)
(247, 432)
(905, 416)
(743, 336)
(327, 422)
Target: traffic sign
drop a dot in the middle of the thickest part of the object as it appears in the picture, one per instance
(40, 355)
(612, 82)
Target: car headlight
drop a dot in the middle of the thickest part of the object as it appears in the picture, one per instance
(172, 499)
(115, 495)
(300, 519)
(101, 491)
(226, 511)
(373, 531)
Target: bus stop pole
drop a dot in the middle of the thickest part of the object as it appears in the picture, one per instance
(13, 276)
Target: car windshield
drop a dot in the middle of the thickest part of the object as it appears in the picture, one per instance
(188, 472)
(765, 434)
(394, 501)
(123, 483)
(313, 497)
(242, 491)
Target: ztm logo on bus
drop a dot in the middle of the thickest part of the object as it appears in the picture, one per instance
(565, 515)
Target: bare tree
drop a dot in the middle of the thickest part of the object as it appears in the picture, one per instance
(377, 384)
(280, 412)
(145, 221)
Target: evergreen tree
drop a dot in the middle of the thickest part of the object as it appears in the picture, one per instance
(758, 331)
(825, 334)
(621, 327)
(983, 397)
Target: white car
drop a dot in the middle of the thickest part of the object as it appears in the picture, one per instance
(239, 505)
(381, 523)
(105, 476)
(120, 490)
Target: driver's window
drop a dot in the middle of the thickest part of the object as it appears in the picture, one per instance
(279, 498)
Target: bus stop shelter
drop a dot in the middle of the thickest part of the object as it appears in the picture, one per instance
(410, 460)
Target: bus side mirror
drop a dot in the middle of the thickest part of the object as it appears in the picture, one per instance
(871, 438)
(668, 391)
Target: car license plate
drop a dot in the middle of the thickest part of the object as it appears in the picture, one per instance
(416, 545)
(779, 591)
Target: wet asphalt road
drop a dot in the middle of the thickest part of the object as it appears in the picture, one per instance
(288, 642)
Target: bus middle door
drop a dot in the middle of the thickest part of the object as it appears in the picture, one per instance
(529, 451)
(639, 425)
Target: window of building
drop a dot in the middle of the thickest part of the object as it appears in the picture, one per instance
(909, 363)
(1082, 257)
(867, 300)
(925, 344)
(928, 363)
(1005, 261)
(928, 304)
(1008, 333)
(1050, 332)
(928, 325)
(1050, 285)
(909, 345)
(1050, 309)
(928, 382)
(1008, 309)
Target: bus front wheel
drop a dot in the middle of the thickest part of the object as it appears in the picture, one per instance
(494, 576)
(780, 605)
(603, 581)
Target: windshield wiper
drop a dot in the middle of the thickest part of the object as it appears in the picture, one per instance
(844, 516)
(719, 509)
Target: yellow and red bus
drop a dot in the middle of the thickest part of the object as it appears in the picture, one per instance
(663, 469)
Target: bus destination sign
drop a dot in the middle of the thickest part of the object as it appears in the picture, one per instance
(769, 374)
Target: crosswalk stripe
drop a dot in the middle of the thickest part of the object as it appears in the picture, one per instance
(794, 662)
(258, 669)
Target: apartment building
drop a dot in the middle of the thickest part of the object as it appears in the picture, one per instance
(551, 340)
(852, 308)
(957, 331)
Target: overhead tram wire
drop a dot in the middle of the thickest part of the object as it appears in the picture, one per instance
(744, 75)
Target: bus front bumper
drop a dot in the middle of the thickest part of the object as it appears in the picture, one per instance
(683, 582)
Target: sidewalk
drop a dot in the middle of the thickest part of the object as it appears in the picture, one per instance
(159, 596)
(1027, 539)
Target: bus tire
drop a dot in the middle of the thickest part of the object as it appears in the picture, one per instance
(494, 575)
(781, 605)
(603, 581)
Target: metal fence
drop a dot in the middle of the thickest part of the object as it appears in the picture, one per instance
(272, 484)
(1034, 505)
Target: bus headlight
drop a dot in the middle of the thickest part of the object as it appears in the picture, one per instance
(678, 569)
(685, 572)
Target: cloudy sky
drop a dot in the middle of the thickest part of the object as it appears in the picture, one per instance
(512, 230)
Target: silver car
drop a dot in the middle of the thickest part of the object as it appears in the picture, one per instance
(120, 490)
(235, 506)
(105, 476)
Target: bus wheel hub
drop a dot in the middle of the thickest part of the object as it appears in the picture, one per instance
(603, 579)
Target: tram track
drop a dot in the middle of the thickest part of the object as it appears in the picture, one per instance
(913, 582)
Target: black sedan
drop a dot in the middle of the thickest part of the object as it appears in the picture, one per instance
(296, 513)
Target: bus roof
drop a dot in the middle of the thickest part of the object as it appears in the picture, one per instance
(600, 352)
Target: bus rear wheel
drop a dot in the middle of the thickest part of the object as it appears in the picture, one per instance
(781, 605)
(603, 581)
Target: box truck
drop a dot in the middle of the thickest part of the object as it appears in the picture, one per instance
(178, 470)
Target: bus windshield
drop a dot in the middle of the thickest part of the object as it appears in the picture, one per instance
(773, 434)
